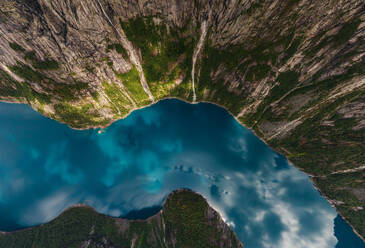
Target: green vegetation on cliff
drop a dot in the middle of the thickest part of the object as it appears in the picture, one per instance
(349, 191)
(114, 93)
(197, 231)
(47, 64)
(131, 81)
(12, 88)
(166, 54)
(77, 116)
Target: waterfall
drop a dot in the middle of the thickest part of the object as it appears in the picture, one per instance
(132, 54)
(204, 28)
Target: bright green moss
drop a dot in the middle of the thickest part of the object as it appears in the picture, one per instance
(120, 103)
(77, 116)
(132, 82)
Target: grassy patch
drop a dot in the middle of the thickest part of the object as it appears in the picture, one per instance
(77, 117)
(132, 82)
(47, 64)
(115, 94)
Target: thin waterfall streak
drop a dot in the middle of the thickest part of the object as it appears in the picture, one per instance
(133, 55)
(196, 53)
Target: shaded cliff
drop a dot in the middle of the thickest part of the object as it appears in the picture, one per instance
(293, 71)
(186, 220)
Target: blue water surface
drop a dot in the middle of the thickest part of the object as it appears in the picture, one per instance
(45, 167)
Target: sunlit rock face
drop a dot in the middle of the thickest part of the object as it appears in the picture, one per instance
(136, 162)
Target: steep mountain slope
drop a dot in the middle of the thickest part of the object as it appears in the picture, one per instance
(293, 71)
(186, 220)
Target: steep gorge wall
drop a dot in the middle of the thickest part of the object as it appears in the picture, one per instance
(293, 71)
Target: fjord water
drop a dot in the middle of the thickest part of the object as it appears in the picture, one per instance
(45, 167)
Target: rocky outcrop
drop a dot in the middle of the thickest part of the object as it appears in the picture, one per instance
(293, 71)
(173, 226)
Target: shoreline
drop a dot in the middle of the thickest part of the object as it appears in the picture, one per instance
(334, 207)
(230, 113)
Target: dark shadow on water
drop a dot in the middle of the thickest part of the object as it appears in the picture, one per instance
(142, 214)
(345, 236)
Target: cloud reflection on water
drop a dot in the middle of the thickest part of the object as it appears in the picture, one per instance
(46, 167)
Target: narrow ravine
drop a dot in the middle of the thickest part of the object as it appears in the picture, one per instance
(133, 55)
(204, 28)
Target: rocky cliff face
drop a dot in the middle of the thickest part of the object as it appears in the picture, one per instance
(186, 220)
(293, 71)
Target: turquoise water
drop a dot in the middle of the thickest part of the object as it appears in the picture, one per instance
(46, 167)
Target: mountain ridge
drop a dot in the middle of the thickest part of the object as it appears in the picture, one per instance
(163, 229)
